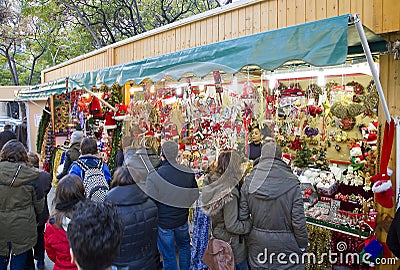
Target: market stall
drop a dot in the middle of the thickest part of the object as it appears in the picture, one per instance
(208, 98)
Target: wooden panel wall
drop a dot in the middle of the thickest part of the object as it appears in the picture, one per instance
(256, 16)
(390, 80)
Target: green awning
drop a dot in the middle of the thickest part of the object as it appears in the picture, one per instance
(42, 91)
(319, 43)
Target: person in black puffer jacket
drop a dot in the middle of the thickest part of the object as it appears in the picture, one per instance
(138, 249)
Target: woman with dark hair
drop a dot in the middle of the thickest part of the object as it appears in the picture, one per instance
(21, 201)
(69, 192)
(138, 249)
(220, 199)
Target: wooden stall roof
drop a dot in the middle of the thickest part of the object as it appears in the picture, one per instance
(230, 21)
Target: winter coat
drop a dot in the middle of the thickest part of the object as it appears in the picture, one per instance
(393, 237)
(174, 189)
(221, 201)
(57, 246)
(6, 136)
(21, 201)
(44, 180)
(71, 155)
(90, 161)
(135, 159)
(271, 195)
(138, 249)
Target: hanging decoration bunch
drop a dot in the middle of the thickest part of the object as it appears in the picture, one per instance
(115, 98)
(43, 124)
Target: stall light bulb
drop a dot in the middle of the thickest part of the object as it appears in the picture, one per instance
(152, 89)
(272, 82)
(179, 91)
(321, 78)
(235, 84)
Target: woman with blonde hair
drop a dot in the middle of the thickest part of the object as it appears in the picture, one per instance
(69, 192)
(143, 160)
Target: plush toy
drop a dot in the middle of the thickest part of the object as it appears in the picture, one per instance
(95, 108)
(370, 133)
(357, 157)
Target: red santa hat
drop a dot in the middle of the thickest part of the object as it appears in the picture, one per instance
(110, 122)
(122, 112)
(373, 126)
(384, 193)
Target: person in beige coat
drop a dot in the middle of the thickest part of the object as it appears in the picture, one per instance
(220, 200)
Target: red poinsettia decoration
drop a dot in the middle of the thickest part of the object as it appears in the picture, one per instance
(295, 144)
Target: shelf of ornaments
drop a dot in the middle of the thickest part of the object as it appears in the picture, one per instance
(350, 193)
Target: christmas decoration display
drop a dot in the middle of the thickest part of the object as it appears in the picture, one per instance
(329, 135)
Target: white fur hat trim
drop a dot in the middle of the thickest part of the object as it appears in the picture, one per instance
(381, 186)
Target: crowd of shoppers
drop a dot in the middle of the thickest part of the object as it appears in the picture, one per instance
(143, 218)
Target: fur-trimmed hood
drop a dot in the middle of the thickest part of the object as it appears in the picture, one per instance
(217, 192)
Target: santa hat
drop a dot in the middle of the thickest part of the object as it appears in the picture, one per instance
(382, 176)
(122, 112)
(384, 193)
(110, 122)
(373, 126)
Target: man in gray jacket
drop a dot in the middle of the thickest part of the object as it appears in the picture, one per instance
(271, 195)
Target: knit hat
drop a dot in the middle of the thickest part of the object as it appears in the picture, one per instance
(384, 193)
(76, 137)
(169, 150)
(271, 150)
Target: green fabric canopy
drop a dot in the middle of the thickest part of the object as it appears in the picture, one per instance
(319, 43)
(42, 91)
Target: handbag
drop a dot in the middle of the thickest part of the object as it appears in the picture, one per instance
(218, 254)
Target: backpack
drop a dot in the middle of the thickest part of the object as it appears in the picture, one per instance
(218, 255)
(94, 181)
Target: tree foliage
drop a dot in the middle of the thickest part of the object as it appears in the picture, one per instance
(37, 34)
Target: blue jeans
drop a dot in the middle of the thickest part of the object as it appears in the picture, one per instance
(166, 244)
(242, 266)
(17, 262)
